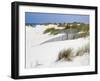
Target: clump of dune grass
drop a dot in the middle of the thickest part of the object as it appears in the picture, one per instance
(84, 34)
(87, 48)
(66, 54)
(48, 30)
(52, 31)
(81, 51)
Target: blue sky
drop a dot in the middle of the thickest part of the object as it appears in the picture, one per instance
(31, 17)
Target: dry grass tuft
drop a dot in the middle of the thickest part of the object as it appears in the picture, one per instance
(81, 51)
(65, 54)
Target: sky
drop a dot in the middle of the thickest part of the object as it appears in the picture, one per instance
(40, 18)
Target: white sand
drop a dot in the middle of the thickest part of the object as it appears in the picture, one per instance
(45, 55)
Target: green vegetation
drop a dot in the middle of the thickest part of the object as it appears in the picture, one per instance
(87, 48)
(55, 32)
(81, 51)
(52, 31)
(82, 29)
(49, 30)
(62, 24)
(66, 55)
(84, 34)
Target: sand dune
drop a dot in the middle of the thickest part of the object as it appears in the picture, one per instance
(45, 55)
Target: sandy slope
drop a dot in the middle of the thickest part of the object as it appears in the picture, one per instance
(46, 55)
